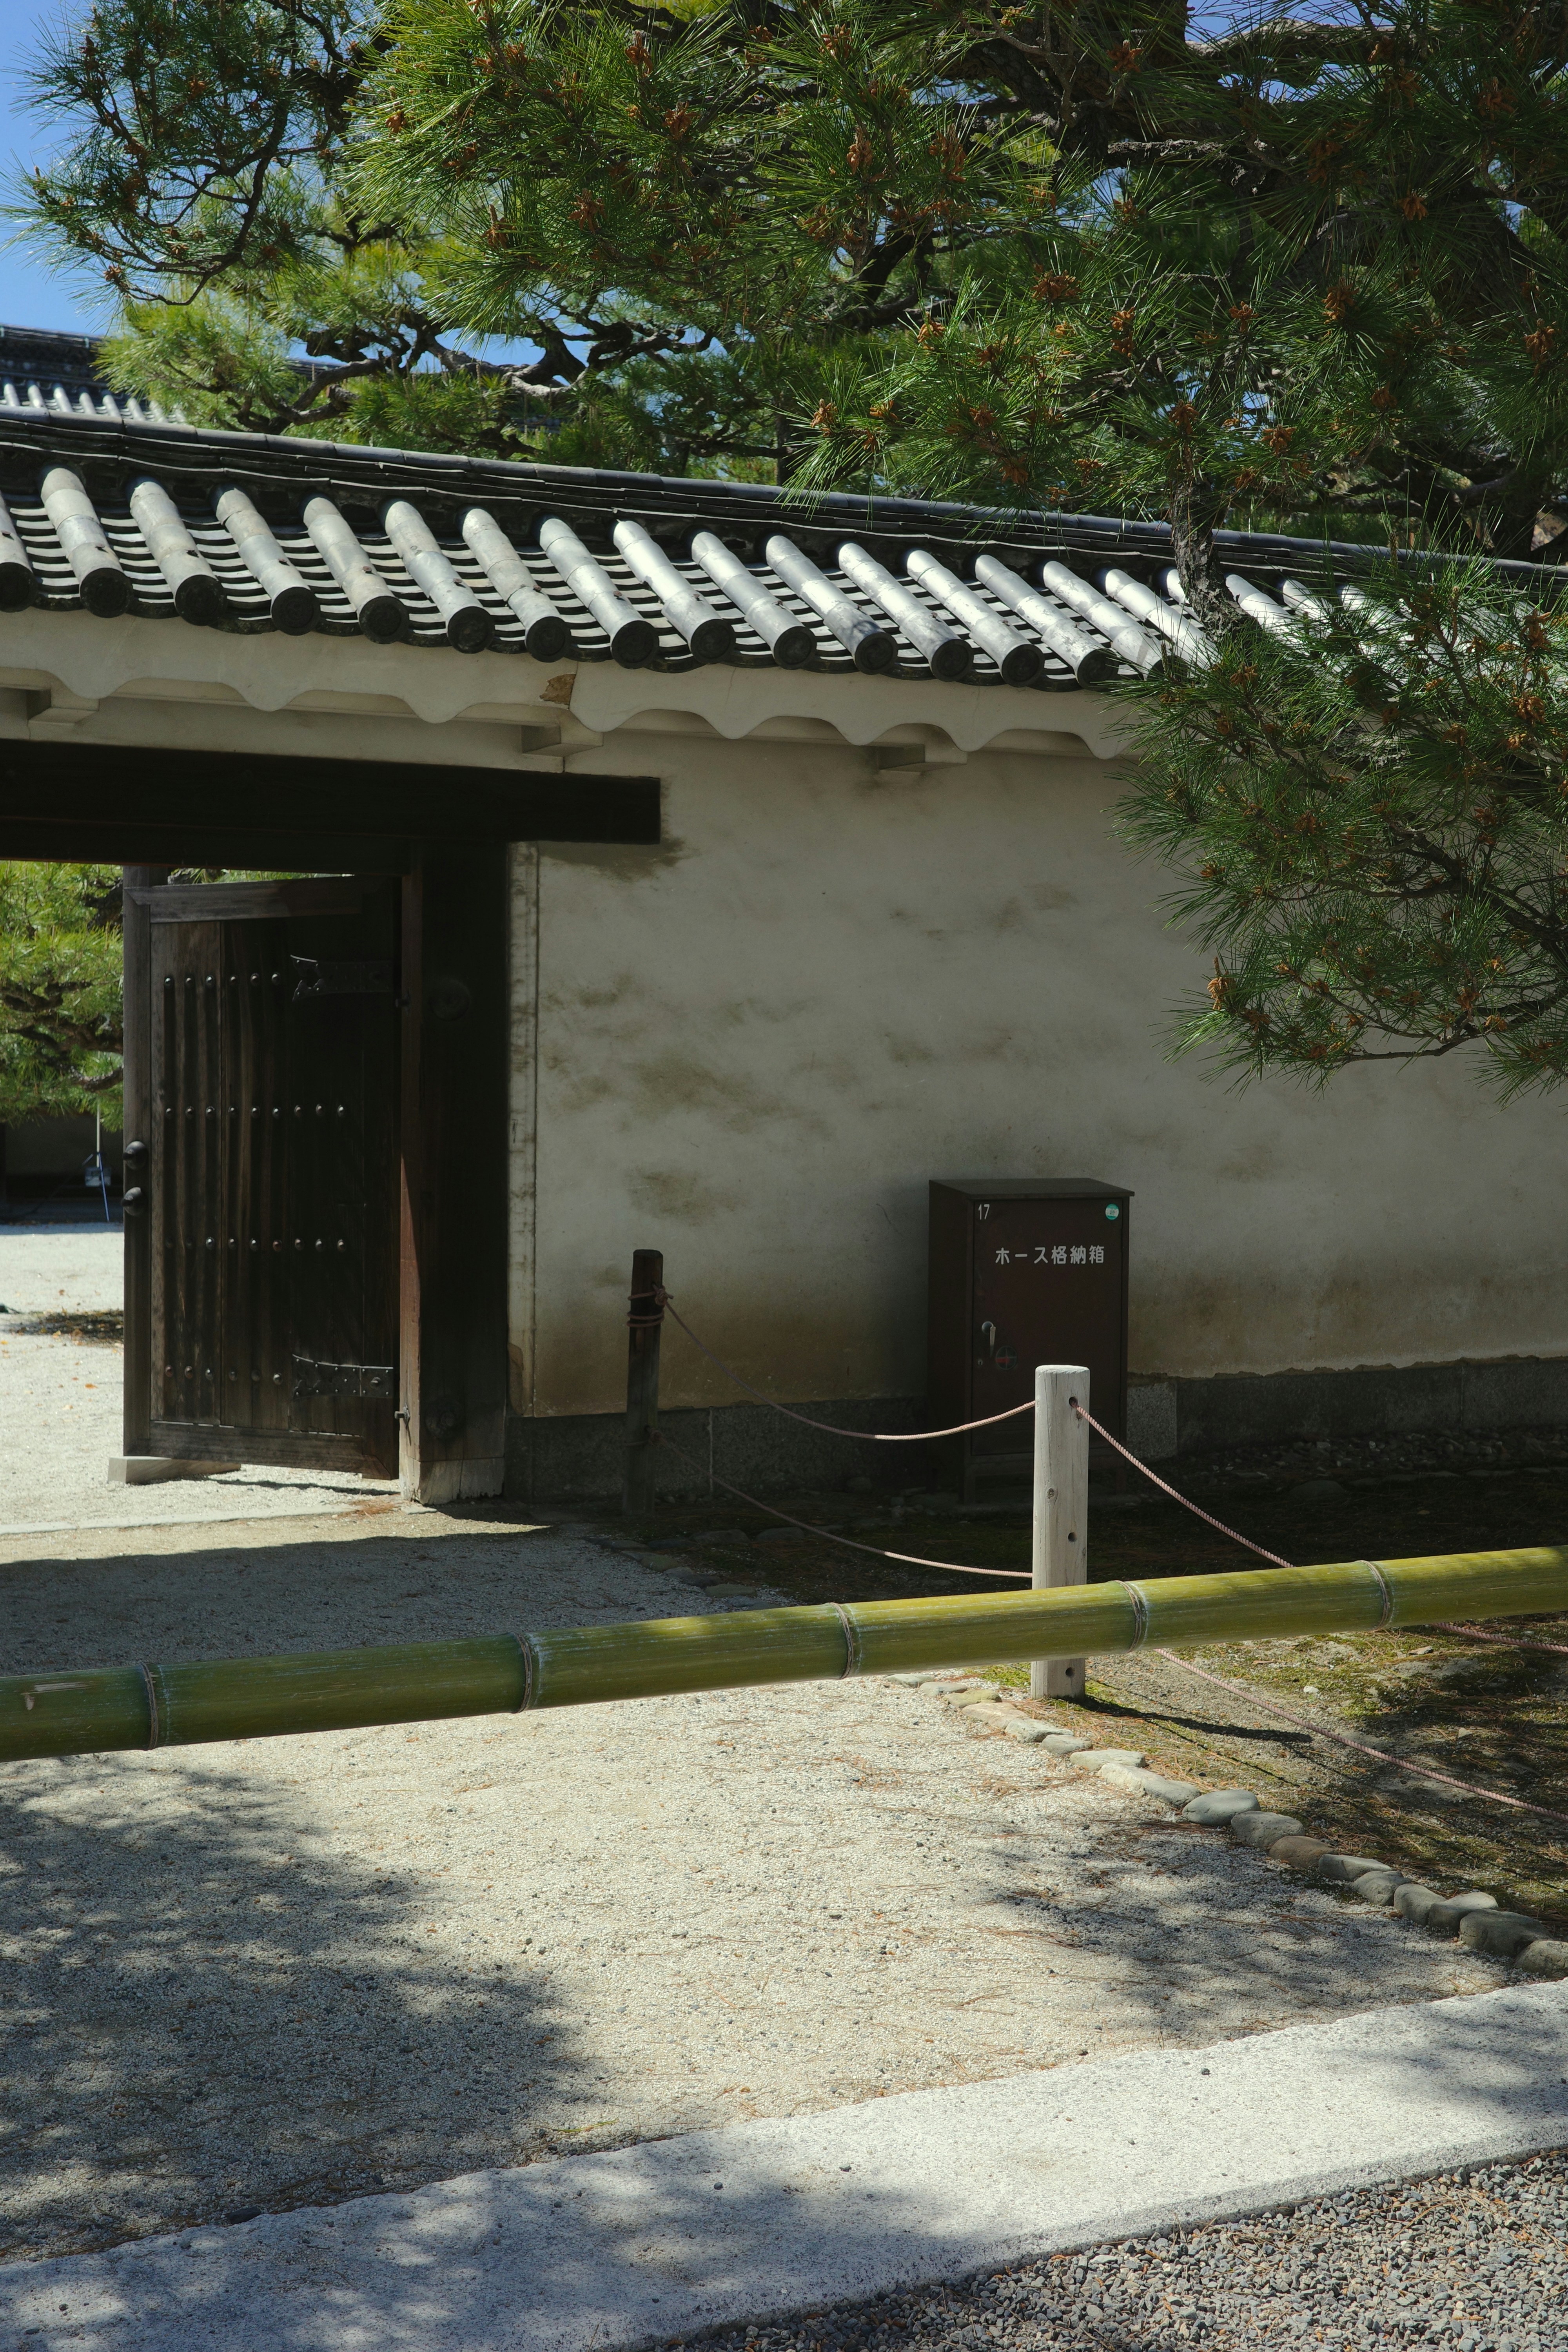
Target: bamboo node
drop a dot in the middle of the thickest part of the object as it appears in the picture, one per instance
(1139, 1600)
(1386, 1590)
(155, 1722)
(854, 1653)
(530, 1663)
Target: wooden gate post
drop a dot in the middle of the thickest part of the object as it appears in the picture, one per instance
(453, 1127)
(645, 1323)
(1061, 1507)
(136, 933)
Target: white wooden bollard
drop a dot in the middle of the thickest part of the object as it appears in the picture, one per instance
(1061, 1507)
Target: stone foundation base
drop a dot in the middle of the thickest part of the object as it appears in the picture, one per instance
(580, 1457)
(155, 1469)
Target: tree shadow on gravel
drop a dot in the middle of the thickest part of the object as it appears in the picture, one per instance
(196, 2017)
(198, 2013)
(741, 2228)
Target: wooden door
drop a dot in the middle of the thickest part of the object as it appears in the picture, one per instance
(262, 1179)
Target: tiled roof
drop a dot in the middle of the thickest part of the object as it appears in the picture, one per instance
(118, 513)
(83, 400)
(37, 357)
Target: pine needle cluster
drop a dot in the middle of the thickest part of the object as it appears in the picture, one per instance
(1368, 811)
(60, 1028)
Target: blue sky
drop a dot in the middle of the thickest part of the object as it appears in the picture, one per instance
(30, 295)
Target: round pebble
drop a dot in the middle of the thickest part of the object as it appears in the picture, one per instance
(1264, 1830)
(1444, 1919)
(1216, 1807)
(1097, 1758)
(1545, 1958)
(1344, 1869)
(1503, 1934)
(1300, 1853)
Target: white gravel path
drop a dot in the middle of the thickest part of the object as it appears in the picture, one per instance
(60, 1406)
(291, 1971)
(45, 1268)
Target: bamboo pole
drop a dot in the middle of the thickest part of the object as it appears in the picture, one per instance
(103, 1708)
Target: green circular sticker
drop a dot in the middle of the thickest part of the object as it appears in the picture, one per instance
(1112, 1210)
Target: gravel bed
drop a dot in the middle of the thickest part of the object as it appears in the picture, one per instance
(61, 1364)
(1424, 1455)
(1475, 2261)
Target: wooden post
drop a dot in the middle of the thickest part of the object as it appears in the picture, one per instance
(645, 1323)
(452, 1354)
(1061, 1507)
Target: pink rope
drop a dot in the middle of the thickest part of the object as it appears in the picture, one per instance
(1503, 1641)
(871, 1436)
(1340, 1738)
(1246, 1541)
(951, 1566)
(1343, 1739)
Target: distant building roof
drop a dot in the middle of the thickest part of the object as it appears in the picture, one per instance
(38, 355)
(43, 371)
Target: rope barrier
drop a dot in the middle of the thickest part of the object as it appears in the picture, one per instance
(909, 1558)
(954, 1568)
(1343, 1739)
(869, 1436)
(1176, 1495)
(1474, 1633)
(1317, 1730)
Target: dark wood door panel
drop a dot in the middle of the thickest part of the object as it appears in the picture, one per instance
(272, 1182)
(244, 902)
(1047, 1290)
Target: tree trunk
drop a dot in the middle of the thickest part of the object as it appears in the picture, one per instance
(1509, 524)
(1196, 510)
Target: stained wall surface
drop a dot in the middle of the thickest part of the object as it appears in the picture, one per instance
(752, 1048)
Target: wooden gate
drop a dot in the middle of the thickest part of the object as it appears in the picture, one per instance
(262, 1047)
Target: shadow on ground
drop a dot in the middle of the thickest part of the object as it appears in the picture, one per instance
(222, 1989)
(197, 2018)
(747, 2227)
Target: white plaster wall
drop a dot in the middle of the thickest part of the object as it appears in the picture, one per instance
(756, 1043)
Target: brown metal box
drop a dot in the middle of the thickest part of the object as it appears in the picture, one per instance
(1024, 1271)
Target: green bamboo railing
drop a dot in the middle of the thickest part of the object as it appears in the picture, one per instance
(104, 1707)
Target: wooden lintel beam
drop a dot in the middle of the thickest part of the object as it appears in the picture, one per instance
(151, 796)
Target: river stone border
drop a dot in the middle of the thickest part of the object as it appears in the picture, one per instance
(1469, 1917)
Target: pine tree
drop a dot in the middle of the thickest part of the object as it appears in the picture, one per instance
(1304, 274)
(61, 1027)
(1368, 810)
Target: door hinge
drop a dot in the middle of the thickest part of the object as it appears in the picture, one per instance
(315, 977)
(312, 1379)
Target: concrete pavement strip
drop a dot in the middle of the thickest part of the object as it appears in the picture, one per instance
(143, 1527)
(762, 2218)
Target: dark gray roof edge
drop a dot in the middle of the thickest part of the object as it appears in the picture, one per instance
(363, 473)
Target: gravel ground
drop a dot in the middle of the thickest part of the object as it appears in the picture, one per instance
(383, 1957)
(60, 1365)
(45, 1267)
(1426, 1455)
(1474, 2261)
